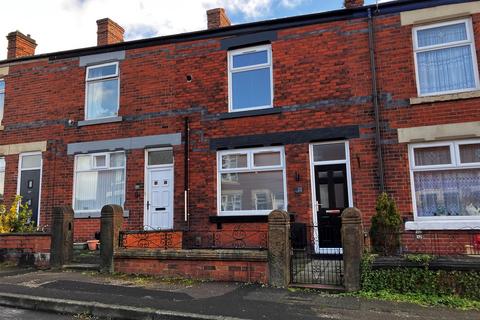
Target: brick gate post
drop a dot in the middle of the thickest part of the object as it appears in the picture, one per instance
(352, 242)
(61, 247)
(111, 222)
(279, 250)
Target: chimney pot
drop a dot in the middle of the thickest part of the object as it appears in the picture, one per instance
(109, 32)
(350, 4)
(217, 18)
(20, 45)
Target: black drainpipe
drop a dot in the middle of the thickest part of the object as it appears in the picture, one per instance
(378, 141)
(186, 164)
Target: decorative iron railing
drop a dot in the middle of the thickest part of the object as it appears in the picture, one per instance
(438, 243)
(236, 237)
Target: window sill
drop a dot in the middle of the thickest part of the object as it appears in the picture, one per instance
(99, 121)
(2, 128)
(95, 215)
(446, 97)
(250, 113)
(443, 225)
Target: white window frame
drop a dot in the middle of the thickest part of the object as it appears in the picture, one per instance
(232, 70)
(3, 169)
(2, 91)
(100, 79)
(108, 167)
(440, 222)
(470, 41)
(250, 168)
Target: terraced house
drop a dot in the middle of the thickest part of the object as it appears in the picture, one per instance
(204, 130)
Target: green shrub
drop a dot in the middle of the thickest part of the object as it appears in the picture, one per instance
(420, 281)
(385, 228)
(18, 218)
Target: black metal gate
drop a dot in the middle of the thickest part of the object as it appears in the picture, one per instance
(310, 264)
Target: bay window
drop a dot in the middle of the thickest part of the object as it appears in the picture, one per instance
(99, 180)
(250, 78)
(445, 58)
(251, 181)
(102, 91)
(446, 180)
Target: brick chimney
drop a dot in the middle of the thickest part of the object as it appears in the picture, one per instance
(217, 18)
(108, 32)
(350, 4)
(20, 45)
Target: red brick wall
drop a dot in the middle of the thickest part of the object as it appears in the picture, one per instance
(25, 248)
(321, 79)
(237, 271)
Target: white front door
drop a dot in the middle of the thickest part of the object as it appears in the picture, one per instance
(159, 200)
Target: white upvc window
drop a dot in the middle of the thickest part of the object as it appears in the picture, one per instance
(445, 58)
(250, 78)
(102, 91)
(2, 99)
(251, 181)
(445, 178)
(2, 177)
(99, 180)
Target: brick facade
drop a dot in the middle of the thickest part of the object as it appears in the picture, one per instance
(321, 78)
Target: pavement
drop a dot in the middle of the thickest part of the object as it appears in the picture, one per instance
(20, 314)
(132, 297)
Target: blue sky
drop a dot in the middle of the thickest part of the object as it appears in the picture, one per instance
(59, 25)
(280, 10)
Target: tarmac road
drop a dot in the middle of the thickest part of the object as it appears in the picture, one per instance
(20, 314)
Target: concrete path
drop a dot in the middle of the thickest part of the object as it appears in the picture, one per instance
(145, 298)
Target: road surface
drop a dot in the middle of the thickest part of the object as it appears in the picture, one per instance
(19, 314)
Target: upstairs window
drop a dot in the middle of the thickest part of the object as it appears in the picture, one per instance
(102, 91)
(445, 58)
(2, 99)
(250, 78)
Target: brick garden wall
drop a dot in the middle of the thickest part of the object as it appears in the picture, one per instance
(25, 249)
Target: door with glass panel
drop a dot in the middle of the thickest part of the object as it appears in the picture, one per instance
(29, 182)
(332, 199)
(159, 190)
(331, 192)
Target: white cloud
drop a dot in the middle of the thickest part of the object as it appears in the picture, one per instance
(291, 3)
(67, 24)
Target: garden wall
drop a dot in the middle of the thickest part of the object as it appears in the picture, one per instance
(218, 265)
(26, 249)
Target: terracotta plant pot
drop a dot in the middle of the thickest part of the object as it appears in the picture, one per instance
(93, 244)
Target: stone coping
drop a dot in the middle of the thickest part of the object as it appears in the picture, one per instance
(26, 234)
(453, 263)
(194, 254)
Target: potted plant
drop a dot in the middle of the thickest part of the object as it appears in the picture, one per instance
(93, 244)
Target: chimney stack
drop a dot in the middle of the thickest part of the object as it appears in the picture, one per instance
(217, 18)
(108, 32)
(20, 45)
(350, 4)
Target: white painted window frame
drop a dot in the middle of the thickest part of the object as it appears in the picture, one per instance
(3, 169)
(19, 178)
(108, 167)
(231, 70)
(470, 41)
(250, 168)
(2, 91)
(101, 79)
(440, 222)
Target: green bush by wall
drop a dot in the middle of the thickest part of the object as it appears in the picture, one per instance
(420, 280)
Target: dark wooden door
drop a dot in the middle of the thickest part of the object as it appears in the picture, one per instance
(332, 198)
